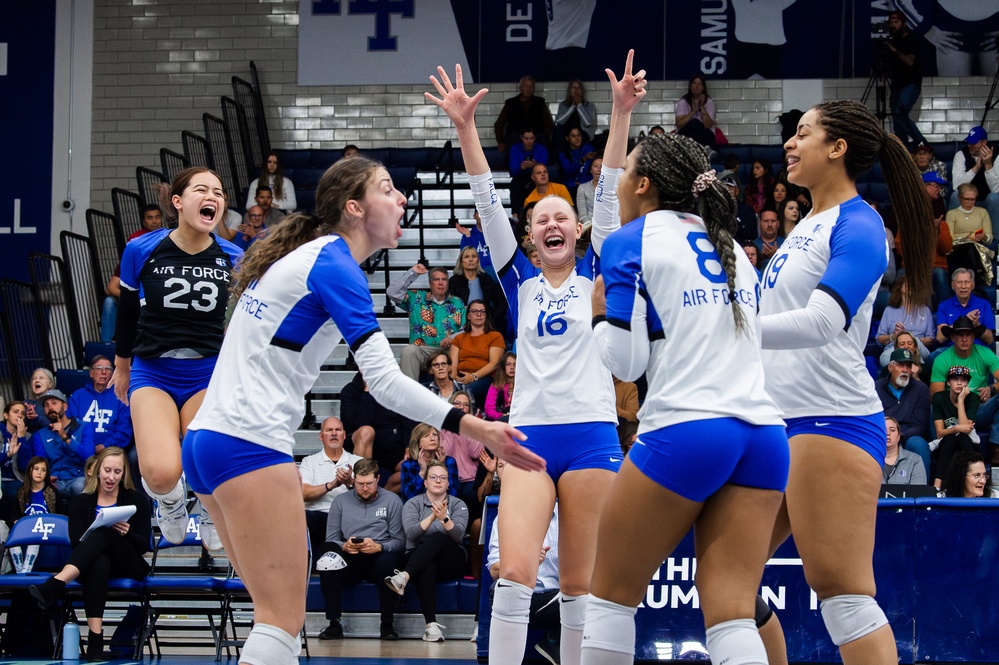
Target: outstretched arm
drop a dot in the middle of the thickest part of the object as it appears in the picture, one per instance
(626, 92)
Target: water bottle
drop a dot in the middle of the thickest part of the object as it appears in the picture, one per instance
(71, 641)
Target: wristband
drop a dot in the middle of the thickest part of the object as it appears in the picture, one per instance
(446, 519)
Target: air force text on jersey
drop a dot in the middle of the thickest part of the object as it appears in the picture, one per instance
(719, 296)
(252, 305)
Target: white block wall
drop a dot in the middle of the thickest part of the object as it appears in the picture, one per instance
(160, 64)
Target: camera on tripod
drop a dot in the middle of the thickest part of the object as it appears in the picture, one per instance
(880, 53)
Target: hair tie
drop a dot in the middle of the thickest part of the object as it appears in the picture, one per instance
(703, 181)
(314, 221)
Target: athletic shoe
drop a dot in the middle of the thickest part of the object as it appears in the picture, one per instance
(206, 529)
(330, 561)
(334, 631)
(549, 649)
(397, 582)
(172, 520)
(388, 633)
(433, 632)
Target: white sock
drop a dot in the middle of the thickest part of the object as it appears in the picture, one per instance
(178, 493)
(267, 644)
(609, 635)
(572, 613)
(508, 627)
(736, 642)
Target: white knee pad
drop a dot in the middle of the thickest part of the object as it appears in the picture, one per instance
(511, 601)
(572, 611)
(609, 626)
(850, 617)
(736, 642)
(267, 645)
(178, 493)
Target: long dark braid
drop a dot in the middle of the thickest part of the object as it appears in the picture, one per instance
(672, 163)
(866, 142)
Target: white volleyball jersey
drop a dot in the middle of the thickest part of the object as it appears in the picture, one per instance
(669, 312)
(559, 375)
(568, 23)
(283, 329)
(843, 252)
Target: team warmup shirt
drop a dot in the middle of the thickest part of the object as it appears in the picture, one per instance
(182, 297)
(669, 312)
(843, 252)
(559, 375)
(284, 327)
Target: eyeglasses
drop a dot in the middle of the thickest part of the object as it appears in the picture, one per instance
(476, 311)
(968, 198)
(462, 405)
(437, 478)
(369, 483)
(101, 369)
(255, 216)
(978, 476)
(441, 364)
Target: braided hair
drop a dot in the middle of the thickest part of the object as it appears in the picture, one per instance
(866, 143)
(672, 163)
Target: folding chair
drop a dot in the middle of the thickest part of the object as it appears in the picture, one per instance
(172, 589)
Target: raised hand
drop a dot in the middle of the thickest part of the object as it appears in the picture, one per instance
(627, 91)
(454, 101)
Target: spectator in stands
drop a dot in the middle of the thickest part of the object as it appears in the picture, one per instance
(35, 496)
(325, 475)
(695, 112)
(65, 443)
(945, 243)
(282, 188)
(373, 430)
(42, 381)
(900, 466)
(769, 239)
(98, 409)
(473, 237)
(966, 303)
(759, 187)
(906, 78)
(524, 110)
(745, 217)
(575, 111)
(626, 399)
(778, 194)
(264, 197)
(901, 315)
(963, 351)
(544, 187)
(973, 164)
(435, 316)
(752, 254)
(435, 524)
(15, 435)
(927, 163)
(531, 252)
(441, 383)
(117, 549)
(365, 529)
(968, 478)
(425, 445)
(350, 150)
(906, 340)
(575, 159)
(476, 352)
(109, 309)
(470, 282)
(544, 613)
(788, 215)
(466, 453)
(152, 220)
(500, 393)
(907, 401)
(251, 228)
(586, 192)
(967, 221)
(523, 157)
(954, 413)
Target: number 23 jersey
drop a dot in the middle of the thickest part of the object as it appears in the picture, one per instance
(182, 296)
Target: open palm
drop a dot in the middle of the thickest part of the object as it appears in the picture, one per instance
(453, 100)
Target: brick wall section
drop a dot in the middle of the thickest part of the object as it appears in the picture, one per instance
(160, 64)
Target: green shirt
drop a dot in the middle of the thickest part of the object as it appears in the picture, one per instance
(982, 362)
(429, 321)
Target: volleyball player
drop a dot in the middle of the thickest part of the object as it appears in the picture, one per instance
(298, 293)
(564, 400)
(174, 291)
(815, 313)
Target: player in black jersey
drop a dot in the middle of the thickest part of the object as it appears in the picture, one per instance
(174, 290)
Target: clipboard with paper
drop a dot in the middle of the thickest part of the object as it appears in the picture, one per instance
(109, 516)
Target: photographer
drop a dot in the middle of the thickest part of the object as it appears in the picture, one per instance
(906, 78)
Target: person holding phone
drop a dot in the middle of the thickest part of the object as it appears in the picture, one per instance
(365, 531)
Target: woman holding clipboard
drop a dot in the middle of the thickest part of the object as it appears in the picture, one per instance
(96, 552)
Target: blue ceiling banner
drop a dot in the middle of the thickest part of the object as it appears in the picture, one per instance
(27, 74)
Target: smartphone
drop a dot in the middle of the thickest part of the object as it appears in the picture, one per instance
(357, 541)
